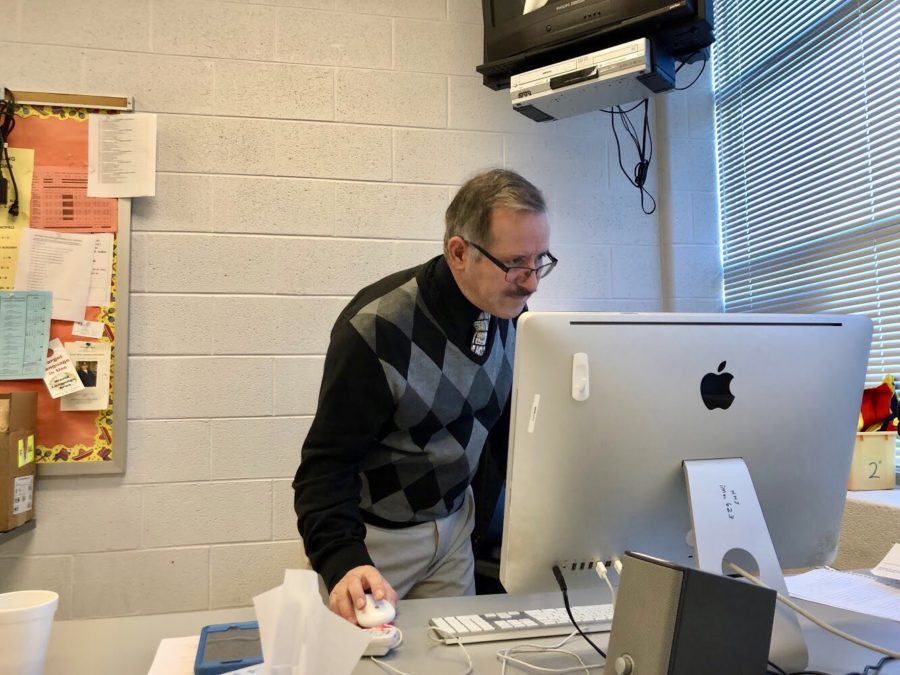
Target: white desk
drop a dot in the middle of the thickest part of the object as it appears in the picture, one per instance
(417, 655)
(126, 646)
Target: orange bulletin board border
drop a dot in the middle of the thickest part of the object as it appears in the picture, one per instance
(80, 442)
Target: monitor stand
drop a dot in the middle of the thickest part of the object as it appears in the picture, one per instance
(726, 516)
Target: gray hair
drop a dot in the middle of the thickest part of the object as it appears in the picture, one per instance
(469, 214)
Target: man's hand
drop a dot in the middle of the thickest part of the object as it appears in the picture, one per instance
(351, 591)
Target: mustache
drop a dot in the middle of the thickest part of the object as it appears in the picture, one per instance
(520, 293)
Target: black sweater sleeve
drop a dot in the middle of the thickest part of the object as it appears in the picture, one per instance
(354, 403)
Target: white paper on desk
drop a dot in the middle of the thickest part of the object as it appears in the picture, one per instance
(122, 155)
(848, 590)
(175, 655)
(58, 262)
(300, 635)
(890, 566)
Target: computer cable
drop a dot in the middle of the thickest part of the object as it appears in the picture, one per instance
(561, 582)
(775, 670)
(435, 634)
(874, 669)
(505, 657)
(643, 146)
(871, 669)
(821, 624)
(431, 633)
(379, 662)
(684, 63)
(601, 571)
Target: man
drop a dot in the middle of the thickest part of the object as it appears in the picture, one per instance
(87, 373)
(417, 375)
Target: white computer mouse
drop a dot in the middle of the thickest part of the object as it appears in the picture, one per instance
(375, 613)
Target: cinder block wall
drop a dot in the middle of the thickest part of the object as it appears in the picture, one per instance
(306, 147)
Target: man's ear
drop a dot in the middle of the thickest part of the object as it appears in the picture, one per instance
(456, 252)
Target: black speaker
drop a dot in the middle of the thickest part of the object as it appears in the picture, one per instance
(672, 620)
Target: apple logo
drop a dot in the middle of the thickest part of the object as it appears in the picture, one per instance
(715, 389)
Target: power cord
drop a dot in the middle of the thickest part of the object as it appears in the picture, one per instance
(644, 144)
(643, 147)
(685, 62)
(831, 629)
(7, 124)
(505, 657)
(872, 669)
(561, 582)
(876, 668)
(600, 569)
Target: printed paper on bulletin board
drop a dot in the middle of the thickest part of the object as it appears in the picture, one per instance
(59, 137)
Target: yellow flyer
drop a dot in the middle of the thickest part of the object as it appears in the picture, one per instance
(22, 162)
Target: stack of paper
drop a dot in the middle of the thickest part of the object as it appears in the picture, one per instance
(876, 594)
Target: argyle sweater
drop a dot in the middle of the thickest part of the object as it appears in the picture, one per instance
(409, 396)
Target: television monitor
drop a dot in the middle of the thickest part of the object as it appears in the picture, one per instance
(516, 41)
(589, 479)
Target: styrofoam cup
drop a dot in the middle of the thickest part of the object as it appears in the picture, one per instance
(26, 618)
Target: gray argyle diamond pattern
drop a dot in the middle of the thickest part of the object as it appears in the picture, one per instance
(445, 405)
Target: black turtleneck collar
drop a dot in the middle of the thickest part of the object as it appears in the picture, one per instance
(449, 306)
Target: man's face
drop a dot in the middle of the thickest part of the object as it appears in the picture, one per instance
(518, 238)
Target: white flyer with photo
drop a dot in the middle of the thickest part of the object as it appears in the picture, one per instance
(92, 364)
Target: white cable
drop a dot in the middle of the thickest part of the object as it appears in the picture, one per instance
(600, 568)
(583, 667)
(617, 564)
(433, 639)
(387, 665)
(831, 629)
(443, 638)
(504, 657)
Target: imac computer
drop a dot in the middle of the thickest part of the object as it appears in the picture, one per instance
(607, 408)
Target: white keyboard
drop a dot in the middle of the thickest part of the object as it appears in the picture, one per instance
(522, 624)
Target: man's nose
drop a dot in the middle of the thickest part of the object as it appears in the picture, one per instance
(530, 284)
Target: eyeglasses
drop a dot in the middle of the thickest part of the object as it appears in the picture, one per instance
(516, 274)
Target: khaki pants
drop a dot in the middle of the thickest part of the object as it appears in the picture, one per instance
(430, 559)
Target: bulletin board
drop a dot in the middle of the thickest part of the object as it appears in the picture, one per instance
(55, 126)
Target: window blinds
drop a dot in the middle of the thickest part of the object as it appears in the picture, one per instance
(807, 132)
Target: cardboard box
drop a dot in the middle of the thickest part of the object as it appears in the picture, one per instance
(872, 467)
(17, 468)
